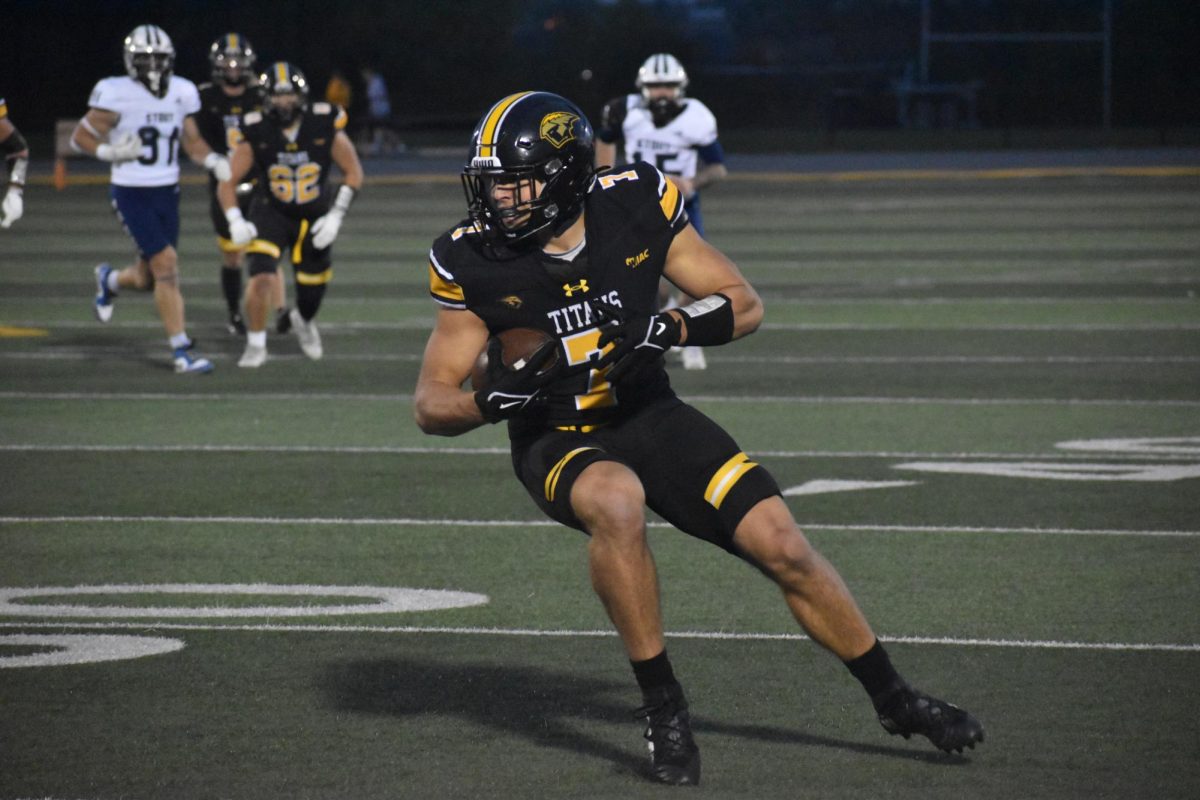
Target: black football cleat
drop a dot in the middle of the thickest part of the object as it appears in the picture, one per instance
(236, 325)
(283, 320)
(674, 757)
(905, 711)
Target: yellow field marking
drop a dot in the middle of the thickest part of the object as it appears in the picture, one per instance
(12, 332)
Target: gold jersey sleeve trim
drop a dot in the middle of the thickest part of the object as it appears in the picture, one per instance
(671, 200)
(445, 291)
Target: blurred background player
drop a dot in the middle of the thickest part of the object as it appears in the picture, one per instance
(293, 145)
(676, 134)
(233, 91)
(16, 158)
(138, 123)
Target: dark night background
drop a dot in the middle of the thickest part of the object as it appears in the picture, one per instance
(794, 68)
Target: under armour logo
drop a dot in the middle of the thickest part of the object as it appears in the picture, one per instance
(570, 290)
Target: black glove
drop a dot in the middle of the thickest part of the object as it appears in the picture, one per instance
(511, 392)
(638, 339)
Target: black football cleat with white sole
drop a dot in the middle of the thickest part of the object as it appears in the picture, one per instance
(674, 757)
(904, 711)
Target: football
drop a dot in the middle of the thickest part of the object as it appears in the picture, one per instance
(516, 345)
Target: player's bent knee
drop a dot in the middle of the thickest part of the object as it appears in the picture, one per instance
(771, 538)
(609, 498)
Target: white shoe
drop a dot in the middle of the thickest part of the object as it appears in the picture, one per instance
(253, 356)
(309, 336)
(693, 358)
(188, 362)
(103, 304)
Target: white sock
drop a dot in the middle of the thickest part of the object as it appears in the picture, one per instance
(256, 338)
(111, 282)
(180, 340)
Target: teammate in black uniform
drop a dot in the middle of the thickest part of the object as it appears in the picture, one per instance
(292, 145)
(600, 434)
(233, 91)
(15, 153)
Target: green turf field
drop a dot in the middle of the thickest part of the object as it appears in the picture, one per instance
(981, 395)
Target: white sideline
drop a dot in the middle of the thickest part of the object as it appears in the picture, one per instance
(1035, 644)
(547, 523)
(1110, 453)
(91, 397)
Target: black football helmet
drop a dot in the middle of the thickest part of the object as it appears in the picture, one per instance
(232, 58)
(150, 58)
(541, 147)
(280, 79)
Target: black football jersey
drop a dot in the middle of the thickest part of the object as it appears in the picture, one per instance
(631, 217)
(219, 117)
(296, 168)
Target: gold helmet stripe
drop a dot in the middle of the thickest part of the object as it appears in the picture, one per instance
(281, 75)
(233, 42)
(487, 133)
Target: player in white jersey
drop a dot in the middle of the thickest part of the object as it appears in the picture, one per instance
(675, 133)
(139, 123)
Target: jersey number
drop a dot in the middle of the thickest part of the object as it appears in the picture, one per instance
(300, 185)
(150, 136)
(660, 161)
(581, 347)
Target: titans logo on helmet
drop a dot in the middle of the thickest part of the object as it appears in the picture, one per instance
(559, 128)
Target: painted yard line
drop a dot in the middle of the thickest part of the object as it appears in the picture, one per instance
(91, 397)
(546, 523)
(423, 325)
(91, 354)
(820, 302)
(475, 451)
(95, 353)
(1034, 644)
(844, 176)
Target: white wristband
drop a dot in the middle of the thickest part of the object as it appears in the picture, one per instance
(104, 151)
(233, 215)
(345, 197)
(211, 159)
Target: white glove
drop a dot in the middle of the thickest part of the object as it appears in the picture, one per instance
(218, 165)
(127, 147)
(326, 228)
(12, 208)
(241, 231)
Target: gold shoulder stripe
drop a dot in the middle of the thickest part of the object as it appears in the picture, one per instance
(670, 200)
(724, 478)
(444, 289)
(341, 120)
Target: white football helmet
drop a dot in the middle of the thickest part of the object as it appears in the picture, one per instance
(150, 58)
(662, 68)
